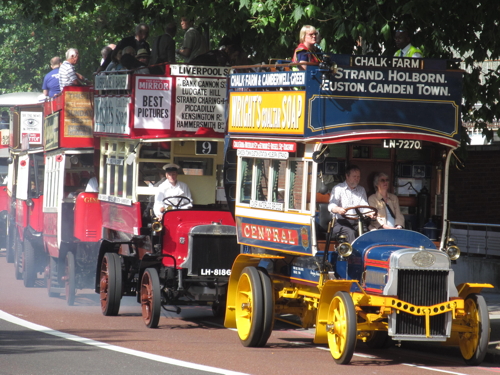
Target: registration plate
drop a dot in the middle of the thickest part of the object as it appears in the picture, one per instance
(402, 143)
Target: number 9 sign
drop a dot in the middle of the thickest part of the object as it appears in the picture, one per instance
(206, 148)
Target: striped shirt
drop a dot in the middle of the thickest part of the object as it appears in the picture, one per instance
(343, 196)
(66, 74)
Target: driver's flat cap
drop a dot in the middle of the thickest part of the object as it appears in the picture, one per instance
(171, 167)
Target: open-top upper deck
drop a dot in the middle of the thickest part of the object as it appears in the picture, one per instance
(184, 102)
(358, 97)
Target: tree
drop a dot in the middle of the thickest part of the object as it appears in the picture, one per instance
(465, 30)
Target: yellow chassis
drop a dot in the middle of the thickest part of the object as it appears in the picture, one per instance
(316, 302)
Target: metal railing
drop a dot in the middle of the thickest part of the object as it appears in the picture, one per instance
(476, 238)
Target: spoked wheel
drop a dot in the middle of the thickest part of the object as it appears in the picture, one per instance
(474, 344)
(151, 297)
(70, 278)
(268, 299)
(254, 307)
(110, 284)
(10, 245)
(341, 328)
(29, 270)
(51, 277)
(18, 258)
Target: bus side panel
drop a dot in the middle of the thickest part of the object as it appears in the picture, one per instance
(36, 214)
(50, 233)
(88, 220)
(121, 218)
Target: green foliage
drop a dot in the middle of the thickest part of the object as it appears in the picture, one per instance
(268, 29)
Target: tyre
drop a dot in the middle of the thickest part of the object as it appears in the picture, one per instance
(29, 267)
(268, 300)
(110, 279)
(18, 258)
(70, 278)
(341, 326)
(151, 297)
(51, 280)
(249, 307)
(474, 344)
(9, 245)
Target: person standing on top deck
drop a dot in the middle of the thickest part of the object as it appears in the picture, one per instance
(164, 48)
(194, 43)
(307, 50)
(137, 41)
(344, 195)
(403, 42)
(170, 188)
(50, 85)
(67, 74)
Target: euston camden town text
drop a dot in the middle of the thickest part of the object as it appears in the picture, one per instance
(362, 81)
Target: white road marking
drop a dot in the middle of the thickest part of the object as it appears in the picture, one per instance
(24, 323)
(433, 369)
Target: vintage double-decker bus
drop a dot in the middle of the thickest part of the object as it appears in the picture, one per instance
(71, 211)
(25, 184)
(292, 134)
(144, 123)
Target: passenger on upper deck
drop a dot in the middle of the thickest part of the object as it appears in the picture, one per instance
(116, 55)
(67, 74)
(170, 188)
(137, 41)
(344, 195)
(403, 42)
(50, 85)
(389, 214)
(163, 50)
(194, 43)
(307, 50)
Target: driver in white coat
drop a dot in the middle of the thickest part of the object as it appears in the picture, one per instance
(170, 188)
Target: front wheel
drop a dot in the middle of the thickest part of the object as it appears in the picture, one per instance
(51, 279)
(249, 307)
(151, 297)
(474, 343)
(110, 284)
(29, 270)
(341, 326)
(18, 258)
(10, 245)
(70, 278)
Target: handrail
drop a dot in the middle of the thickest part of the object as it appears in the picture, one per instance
(487, 229)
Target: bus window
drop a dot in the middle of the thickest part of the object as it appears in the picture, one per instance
(279, 180)
(262, 170)
(246, 180)
(296, 184)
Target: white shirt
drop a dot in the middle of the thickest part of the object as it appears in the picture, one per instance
(343, 196)
(166, 189)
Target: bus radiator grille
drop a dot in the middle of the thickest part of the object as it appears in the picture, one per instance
(422, 288)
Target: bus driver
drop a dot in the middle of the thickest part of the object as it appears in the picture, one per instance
(171, 188)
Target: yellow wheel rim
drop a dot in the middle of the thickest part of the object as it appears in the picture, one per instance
(470, 340)
(244, 306)
(337, 323)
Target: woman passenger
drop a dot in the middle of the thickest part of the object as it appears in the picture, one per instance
(389, 215)
(306, 51)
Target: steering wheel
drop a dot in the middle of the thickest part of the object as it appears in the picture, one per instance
(182, 201)
(356, 216)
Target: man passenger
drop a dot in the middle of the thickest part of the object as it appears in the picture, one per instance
(344, 195)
